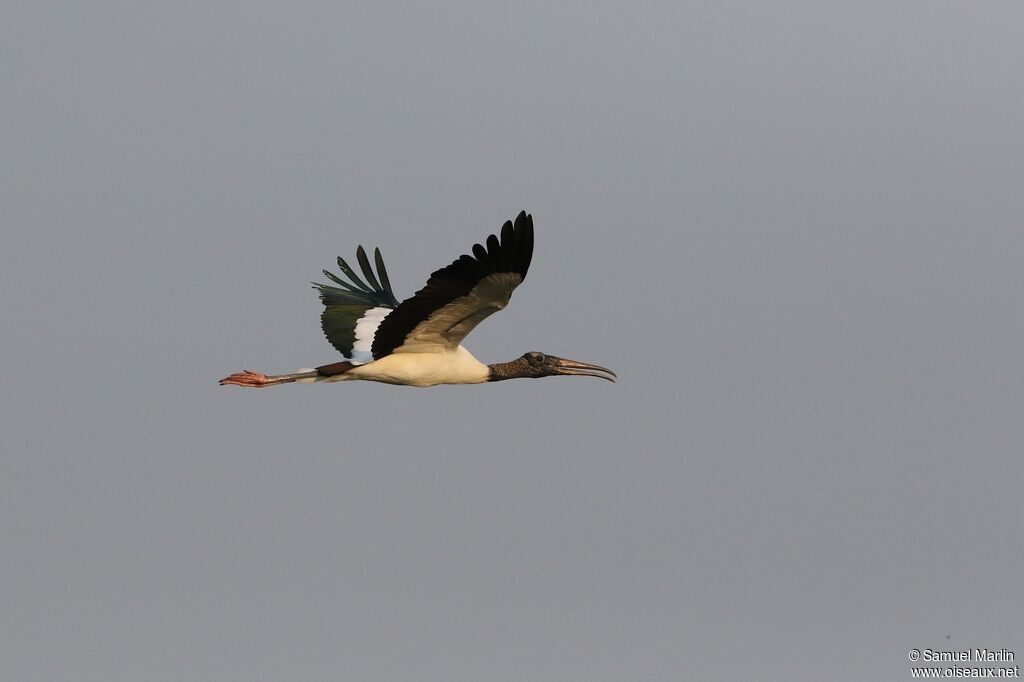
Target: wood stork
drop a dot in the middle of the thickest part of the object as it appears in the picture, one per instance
(418, 342)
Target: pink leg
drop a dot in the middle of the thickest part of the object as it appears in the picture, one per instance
(248, 379)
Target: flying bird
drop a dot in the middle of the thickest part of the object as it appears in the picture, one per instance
(418, 342)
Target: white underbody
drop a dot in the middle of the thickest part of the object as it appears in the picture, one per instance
(457, 366)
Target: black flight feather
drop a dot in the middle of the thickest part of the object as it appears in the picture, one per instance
(337, 280)
(381, 270)
(351, 274)
(364, 265)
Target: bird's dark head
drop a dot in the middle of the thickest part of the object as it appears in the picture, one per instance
(535, 365)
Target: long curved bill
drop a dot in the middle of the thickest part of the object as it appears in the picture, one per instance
(583, 369)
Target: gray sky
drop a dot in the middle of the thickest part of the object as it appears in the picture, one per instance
(794, 231)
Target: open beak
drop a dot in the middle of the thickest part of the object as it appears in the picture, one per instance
(583, 369)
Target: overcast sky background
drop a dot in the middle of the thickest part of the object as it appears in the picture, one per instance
(793, 229)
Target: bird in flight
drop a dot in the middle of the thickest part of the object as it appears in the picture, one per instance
(418, 342)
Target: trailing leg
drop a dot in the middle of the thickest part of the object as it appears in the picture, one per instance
(249, 379)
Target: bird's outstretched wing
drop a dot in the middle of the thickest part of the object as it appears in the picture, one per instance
(458, 297)
(354, 309)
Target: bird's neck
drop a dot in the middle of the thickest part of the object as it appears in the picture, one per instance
(500, 371)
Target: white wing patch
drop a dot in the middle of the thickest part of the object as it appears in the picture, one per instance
(449, 324)
(366, 327)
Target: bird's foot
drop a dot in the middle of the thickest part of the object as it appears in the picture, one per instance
(247, 379)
